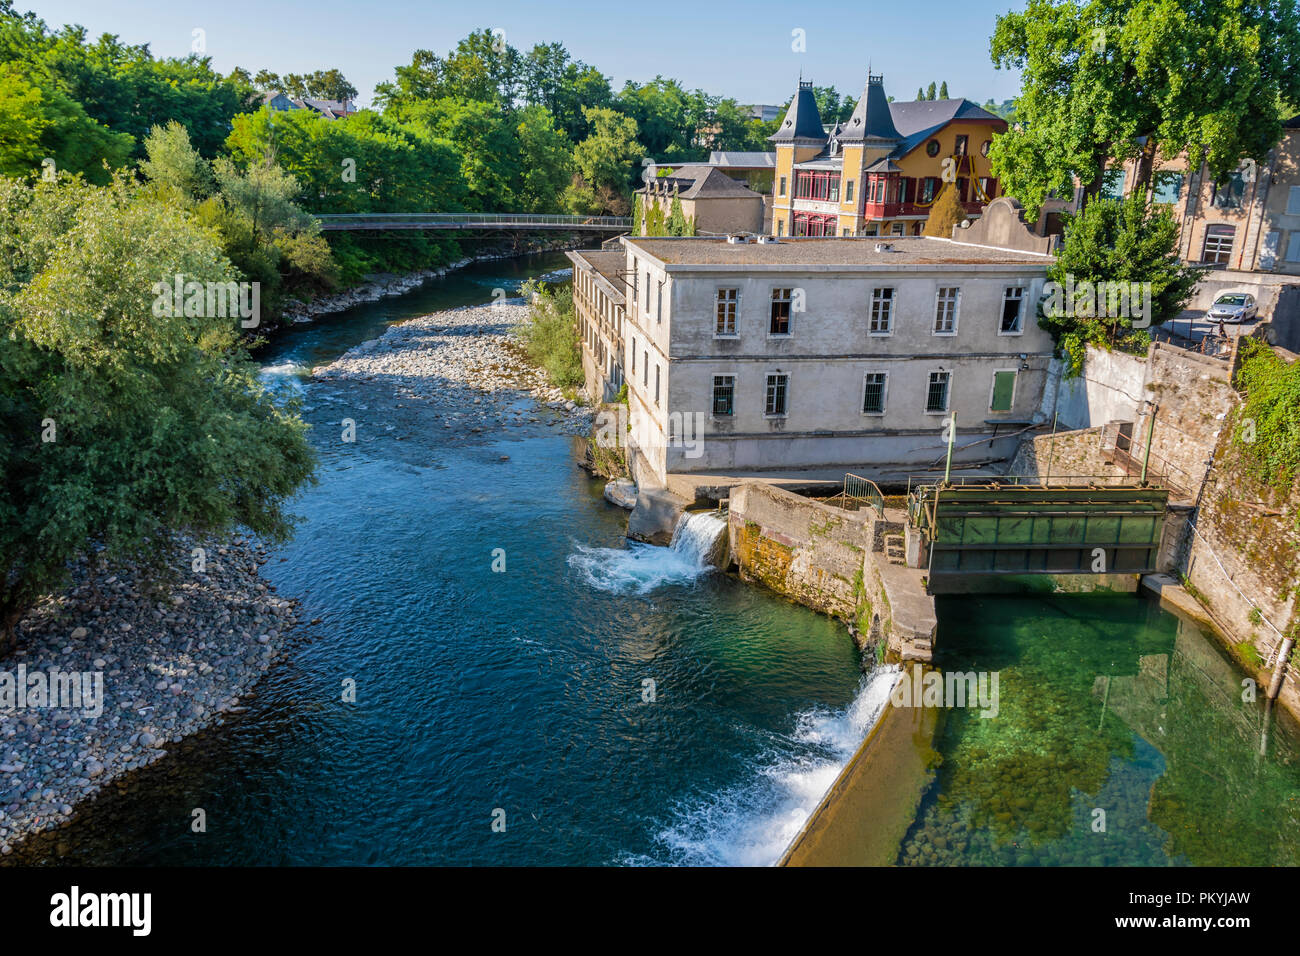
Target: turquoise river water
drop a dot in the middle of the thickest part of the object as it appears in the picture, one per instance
(524, 695)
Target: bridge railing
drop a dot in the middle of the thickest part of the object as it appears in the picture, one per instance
(470, 219)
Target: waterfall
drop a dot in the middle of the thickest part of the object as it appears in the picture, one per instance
(700, 538)
(698, 546)
(753, 821)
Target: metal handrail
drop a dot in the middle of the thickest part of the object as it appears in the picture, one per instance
(862, 489)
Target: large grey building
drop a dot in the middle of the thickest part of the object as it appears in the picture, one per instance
(816, 355)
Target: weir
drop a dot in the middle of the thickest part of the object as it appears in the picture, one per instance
(700, 538)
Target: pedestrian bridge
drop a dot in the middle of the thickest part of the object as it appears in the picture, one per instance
(1012, 525)
(465, 221)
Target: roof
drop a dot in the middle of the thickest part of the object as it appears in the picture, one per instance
(872, 118)
(917, 115)
(726, 158)
(703, 182)
(847, 251)
(802, 121)
(609, 265)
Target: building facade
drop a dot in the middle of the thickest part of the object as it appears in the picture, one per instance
(879, 172)
(713, 202)
(833, 354)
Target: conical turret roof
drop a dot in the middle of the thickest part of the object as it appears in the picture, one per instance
(802, 122)
(871, 119)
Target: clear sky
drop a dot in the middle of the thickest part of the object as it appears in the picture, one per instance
(742, 50)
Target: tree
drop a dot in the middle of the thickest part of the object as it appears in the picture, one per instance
(124, 425)
(1133, 79)
(545, 161)
(1115, 242)
(943, 90)
(174, 166)
(676, 217)
(321, 84)
(929, 93)
(945, 213)
(920, 93)
(606, 158)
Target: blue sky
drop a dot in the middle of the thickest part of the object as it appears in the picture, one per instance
(741, 50)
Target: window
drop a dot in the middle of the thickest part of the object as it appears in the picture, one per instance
(945, 310)
(961, 145)
(780, 324)
(882, 311)
(1293, 247)
(777, 386)
(1003, 394)
(781, 192)
(932, 148)
(1168, 185)
(896, 229)
(647, 291)
(925, 189)
(1228, 196)
(726, 311)
(1012, 299)
(847, 230)
(634, 355)
(984, 147)
(1112, 184)
(870, 229)
(724, 394)
(936, 396)
(1218, 244)
(873, 394)
(656, 384)
(645, 367)
(1293, 201)
(780, 227)
(659, 302)
(848, 191)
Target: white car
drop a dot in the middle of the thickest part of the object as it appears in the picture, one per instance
(1233, 307)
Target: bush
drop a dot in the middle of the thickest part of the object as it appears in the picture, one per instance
(550, 337)
(1268, 424)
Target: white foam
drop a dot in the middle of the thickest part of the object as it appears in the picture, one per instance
(753, 823)
(640, 568)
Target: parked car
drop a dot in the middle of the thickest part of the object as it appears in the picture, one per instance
(1233, 307)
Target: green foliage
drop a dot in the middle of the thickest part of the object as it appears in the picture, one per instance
(676, 218)
(1116, 241)
(1123, 79)
(158, 421)
(1270, 443)
(550, 336)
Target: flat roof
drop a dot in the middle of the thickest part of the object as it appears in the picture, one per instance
(607, 265)
(831, 251)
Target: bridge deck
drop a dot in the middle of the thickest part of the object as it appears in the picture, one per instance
(472, 221)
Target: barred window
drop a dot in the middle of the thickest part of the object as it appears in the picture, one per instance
(777, 387)
(882, 311)
(724, 394)
(936, 398)
(726, 311)
(945, 310)
(873, 394)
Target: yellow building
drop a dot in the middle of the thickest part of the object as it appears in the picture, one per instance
(878, 173)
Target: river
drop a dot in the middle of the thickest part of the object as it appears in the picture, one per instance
(600, 702)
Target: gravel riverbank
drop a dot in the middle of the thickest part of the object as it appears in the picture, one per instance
(169, 663)
(434, 358)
